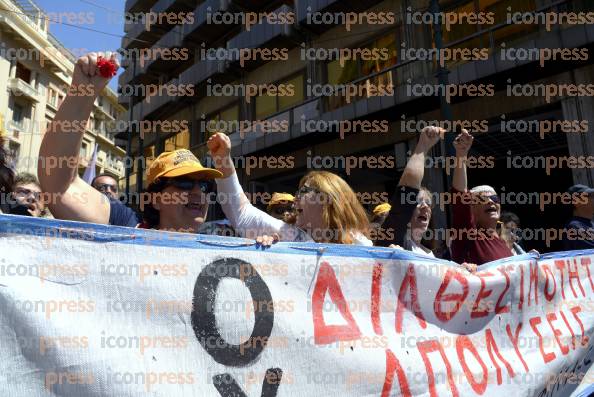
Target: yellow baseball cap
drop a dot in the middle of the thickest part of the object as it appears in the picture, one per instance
(280, 198)
(180, 162)
(382, 209)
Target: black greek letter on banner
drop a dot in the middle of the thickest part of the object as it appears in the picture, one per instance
(204, 320)
(228, 387)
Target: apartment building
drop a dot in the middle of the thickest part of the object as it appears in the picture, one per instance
(306, 120)
(37, 71)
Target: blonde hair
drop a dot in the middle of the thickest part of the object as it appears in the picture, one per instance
(342, 213)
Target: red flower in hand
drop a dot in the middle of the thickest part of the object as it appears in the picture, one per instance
(107, 68)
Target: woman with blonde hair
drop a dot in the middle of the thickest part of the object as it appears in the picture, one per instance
(327, 210)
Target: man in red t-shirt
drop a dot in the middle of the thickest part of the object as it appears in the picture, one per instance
(475, 214)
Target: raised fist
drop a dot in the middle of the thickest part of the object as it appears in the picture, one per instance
(429, 137)
(93, 72)
(462, 143)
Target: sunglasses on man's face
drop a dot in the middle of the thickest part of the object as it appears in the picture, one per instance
(485, 199)
(281, 210)
(104, 187)
(188, 184)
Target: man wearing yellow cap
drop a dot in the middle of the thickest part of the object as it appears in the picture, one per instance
(280, 206)
(176, 196)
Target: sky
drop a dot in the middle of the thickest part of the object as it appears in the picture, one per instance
(87, 15)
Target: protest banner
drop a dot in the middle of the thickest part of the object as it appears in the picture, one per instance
(93, 310)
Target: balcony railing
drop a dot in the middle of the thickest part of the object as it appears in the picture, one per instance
(201, 30)
(202, 71)
(305, 9)
(171, 40)
(398, 74)
(31, 13)
(266, 35)
(156, 105)
(140, 36)
(138, 5)
(17, 127)
(144, 33)
(21, 88)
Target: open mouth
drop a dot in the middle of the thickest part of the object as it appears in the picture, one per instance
(423, 218)
(195, 207)
(491, 210)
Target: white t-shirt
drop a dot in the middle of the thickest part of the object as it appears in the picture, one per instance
(419, 249)
(250, 222)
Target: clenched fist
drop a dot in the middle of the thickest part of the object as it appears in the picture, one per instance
(462, 143)
(429, 137)
(87, 77)
(219, 146)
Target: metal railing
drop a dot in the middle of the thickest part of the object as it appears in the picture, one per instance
(401, 64)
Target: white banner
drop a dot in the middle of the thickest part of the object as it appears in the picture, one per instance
(89, 310)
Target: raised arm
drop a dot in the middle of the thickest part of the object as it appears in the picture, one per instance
(248, 220)
(415, 167)
(462, 144)
(71, 197)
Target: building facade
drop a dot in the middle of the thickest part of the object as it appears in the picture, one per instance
(313, 127)
(37, 71)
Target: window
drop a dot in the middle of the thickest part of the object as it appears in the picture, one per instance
(288, 101)
(52, 97)
(459, 30)
(499, 8)
(23, 73)
(180, 140)
(267, 105)
(83, 150)
(98, 125)
(224, 120)
(17, 114)
(48, 123)
(351, 70)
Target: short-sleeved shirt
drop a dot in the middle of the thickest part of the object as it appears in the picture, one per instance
(470, 244)
(582, 238)
(120, 215)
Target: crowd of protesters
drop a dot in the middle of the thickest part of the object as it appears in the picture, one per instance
(325, 209)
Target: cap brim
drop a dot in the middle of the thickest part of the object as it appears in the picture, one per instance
(194, 172)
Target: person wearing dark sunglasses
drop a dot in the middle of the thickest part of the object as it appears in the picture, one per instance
(106, 184)
(475, 214)
(280, 207)
(181, 194)
(173, 202)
